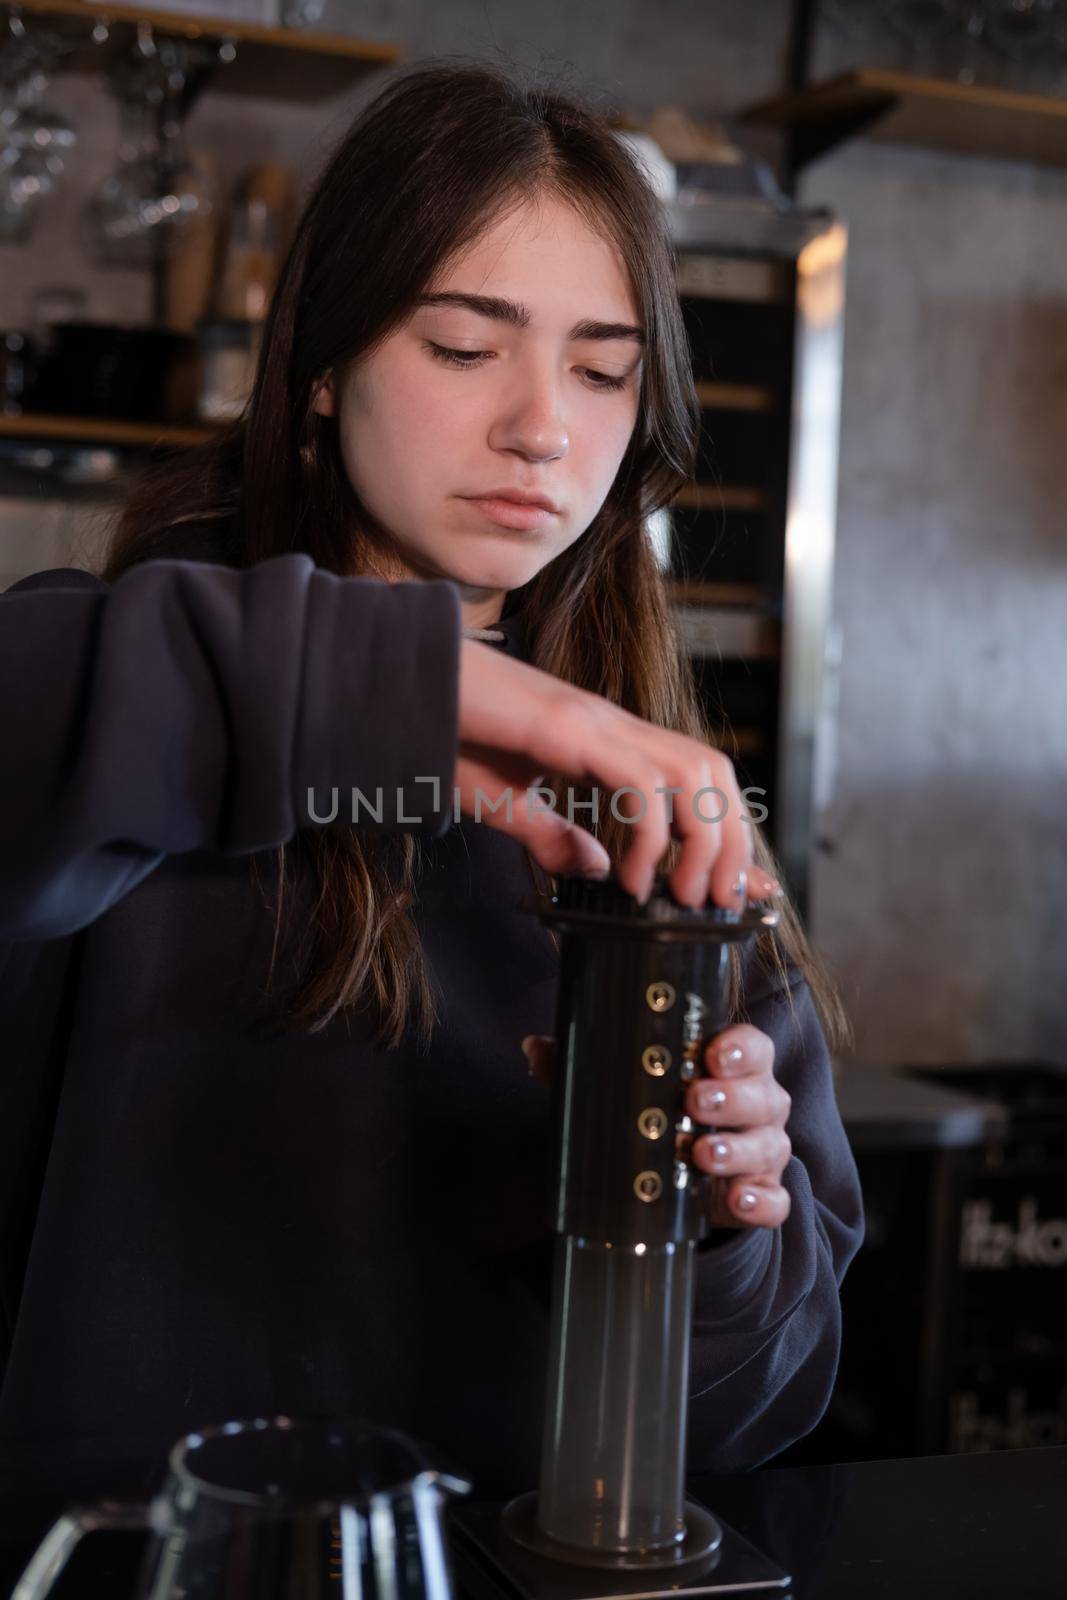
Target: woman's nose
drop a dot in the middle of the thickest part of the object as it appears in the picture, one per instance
(533, 424)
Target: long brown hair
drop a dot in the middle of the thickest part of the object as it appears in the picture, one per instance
(444, 150)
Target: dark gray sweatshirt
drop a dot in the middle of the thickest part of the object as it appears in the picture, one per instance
(204, 1217)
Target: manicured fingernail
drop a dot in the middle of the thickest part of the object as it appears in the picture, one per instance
(740, 885)
(748, 1201)
(774, 887)
(711, 1099)
(720, 1153)
(730, 1059)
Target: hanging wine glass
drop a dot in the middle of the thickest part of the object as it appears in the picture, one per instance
(39, 129)
(154, 187)
(842, 17)
(302, 13)
(116, 210)
(922, 25)
(1022, 29)
(964, 57)
(37, 144)
(35, 139)
(1028, 34)
(184, 187)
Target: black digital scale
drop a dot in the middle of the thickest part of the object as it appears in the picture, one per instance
(488, 1565)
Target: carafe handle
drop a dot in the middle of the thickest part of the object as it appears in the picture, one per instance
(58, 1544)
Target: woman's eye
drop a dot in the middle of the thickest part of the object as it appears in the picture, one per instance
(604, 380)
(456, 358)
(474, 358)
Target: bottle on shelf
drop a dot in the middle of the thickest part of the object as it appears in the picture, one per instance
(230, 338)
(250, 267)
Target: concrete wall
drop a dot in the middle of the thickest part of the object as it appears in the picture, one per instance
(940, 906)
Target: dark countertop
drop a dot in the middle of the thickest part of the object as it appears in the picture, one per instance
(882, 1107)
(969, 1527)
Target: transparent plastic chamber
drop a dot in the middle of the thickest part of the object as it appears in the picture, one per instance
(612, 1473)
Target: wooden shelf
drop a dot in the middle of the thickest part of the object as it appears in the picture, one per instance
(90, 431)
(735, 397)
(720, 497)
(282, 63)
(733, 631)
(715, 594)
(739, 741)
(903, 109)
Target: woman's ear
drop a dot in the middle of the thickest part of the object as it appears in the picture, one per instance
(325, 402)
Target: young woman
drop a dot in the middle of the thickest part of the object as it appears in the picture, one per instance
(268, 1140)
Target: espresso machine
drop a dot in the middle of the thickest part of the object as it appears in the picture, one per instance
(642, 991)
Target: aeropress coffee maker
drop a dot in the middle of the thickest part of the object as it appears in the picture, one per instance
(642, 992)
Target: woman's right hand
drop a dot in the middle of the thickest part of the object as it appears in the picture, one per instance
(518, 725)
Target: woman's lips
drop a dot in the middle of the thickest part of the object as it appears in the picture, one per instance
(510, 514)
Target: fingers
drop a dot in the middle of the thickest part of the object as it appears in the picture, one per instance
(692, 795)
(560, 846)
(748, 1148)
(517, 722)
(540, 1052)
(698, 823)
(507, 707)
(743, 1103)
(680, 798)
(751, 1203)
(741, 1090)
(631, 786)
(734, 873)
(759, 1150)
(746, 1163)
(760, 885)
(495, 793)
(741, 1051)
(637, 767)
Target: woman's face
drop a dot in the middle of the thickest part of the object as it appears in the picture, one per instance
(541, 398)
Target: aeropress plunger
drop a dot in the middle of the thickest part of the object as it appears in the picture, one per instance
(642, 992)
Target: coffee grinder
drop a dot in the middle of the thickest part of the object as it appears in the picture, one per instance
(642, 992)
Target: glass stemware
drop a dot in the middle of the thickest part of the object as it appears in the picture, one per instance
(155, 186)
(35, 139)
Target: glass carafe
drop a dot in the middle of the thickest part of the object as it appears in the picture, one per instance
(275, 1508)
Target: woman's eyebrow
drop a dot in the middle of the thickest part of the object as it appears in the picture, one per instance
(509, 311)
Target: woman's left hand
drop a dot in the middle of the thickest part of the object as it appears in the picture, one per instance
(748, 1148)
(747, 1110)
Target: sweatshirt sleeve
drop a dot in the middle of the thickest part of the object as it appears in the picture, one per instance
(192, 706)
(767, 1316)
